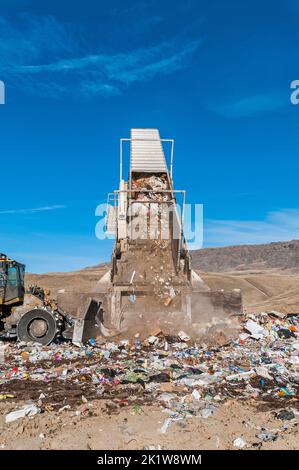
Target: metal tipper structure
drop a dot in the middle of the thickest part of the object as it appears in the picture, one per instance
(151, 282)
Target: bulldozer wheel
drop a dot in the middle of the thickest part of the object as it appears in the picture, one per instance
(37, 325)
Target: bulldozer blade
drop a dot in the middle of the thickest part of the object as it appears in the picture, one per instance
(88, 327)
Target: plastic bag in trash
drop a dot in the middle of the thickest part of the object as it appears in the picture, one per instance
(27, 410)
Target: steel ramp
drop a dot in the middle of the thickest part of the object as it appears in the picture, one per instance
(146, 152)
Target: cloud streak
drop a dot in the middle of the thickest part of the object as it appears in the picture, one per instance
(252, 105)
(277, 226)
(44, 56)
(33, 210)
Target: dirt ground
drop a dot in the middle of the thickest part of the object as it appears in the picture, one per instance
(146, 397)
(95, 429)
(95, 423)
(261, 291)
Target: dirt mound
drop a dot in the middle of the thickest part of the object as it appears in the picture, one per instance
(281, 255)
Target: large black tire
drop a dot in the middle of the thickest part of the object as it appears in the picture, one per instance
(37, 325)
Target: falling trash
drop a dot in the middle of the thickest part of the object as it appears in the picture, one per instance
(153, 340)
(132, 298)
(183, 336)
(132, 277)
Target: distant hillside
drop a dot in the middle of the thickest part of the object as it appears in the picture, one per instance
(266, 274)
(280, 255)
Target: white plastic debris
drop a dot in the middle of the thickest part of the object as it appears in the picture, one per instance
(240, 443)
(153, 339)
(202, 379)
(27, 410)
(256, 330)
(190, 382)
(207, 379)
(277, 314)
(63, 408)
(165, 426)
(196, 395)
(244, 336)
(171, 292)
(206, 413)
(132, 277)
(263, 372)
(183, 336)
(241, 375)
(3, 347)
(266, 435)
(132, 298)
(294, 360)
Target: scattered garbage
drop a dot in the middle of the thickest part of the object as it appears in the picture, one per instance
(165, 426)
(267, 436)
(256, 330)
(6, 396)
(3, 347)
(27, 410)
(240, 443)
(206, 412)
(153, 340)
(183, 336)
(182, 376)
(196, 395)
(263, 372)
(285, 415)
(285, 333)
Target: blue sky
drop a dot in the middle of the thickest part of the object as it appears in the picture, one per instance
(213, 75)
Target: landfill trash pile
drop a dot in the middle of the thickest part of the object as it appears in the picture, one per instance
(185, 378)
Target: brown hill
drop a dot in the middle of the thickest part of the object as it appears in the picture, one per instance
(266, 274)
(272, 256)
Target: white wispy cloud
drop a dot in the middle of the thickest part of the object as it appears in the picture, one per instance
(277, 226)
(32, 210)
(252, 105)
(44, 55)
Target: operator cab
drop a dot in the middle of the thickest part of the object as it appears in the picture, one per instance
(12, 288)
